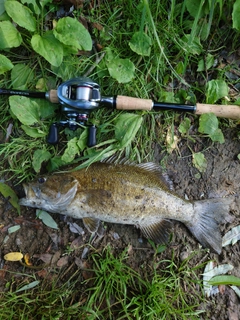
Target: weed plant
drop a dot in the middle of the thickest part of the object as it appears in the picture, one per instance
(159, 50)
(111, 290)
(162, 50)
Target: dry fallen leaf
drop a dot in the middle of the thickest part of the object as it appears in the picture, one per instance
(27, 259)
(63, 261)
(210, 272)
(75, 228)
(45, 257)
(231, 237)
(76, 243)
(13, 256)
(171, 141)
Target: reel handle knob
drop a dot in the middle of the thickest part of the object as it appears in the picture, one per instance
(53, 134)
(92, 136)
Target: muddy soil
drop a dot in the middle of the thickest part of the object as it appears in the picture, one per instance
(58, 247)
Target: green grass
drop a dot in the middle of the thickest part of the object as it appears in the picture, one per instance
(110, 289)
(181, 35)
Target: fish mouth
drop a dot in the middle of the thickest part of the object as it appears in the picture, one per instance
(25, 188)
(30, 195)
(24, 201)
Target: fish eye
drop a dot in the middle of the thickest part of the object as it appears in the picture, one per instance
(41, 180)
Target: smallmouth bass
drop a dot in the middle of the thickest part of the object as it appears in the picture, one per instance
(127, 194)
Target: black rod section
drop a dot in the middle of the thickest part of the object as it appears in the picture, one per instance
(30, 94)
(173, 106)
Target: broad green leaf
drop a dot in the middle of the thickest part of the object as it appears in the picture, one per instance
(126, 127)
(71, 151)
(236, 15)
(208, 124)
(184, 126)
(26, 110)
(227, 280)
(69, 50)
(72, 33)
(2, 7)
(121, 69)
(46, 219)
(9, 36)
(68, 68)
(54, 163)
(193, 45)
(13, 256)
(33, 132)
(46, 108)
(21, 75)
(197, 8)
(21, 15)
(206, 64)
(217, 136)
(29, 286)
(180, 67)
(41, 84)
(39, 156)
(216, 89)
(48, 47)
(8, 192)
(5, 64)
(44, 2)
(33, 4)
(82, 141)
(141, 43)
(199, 161)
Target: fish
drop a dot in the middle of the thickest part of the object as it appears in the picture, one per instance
(133, 194)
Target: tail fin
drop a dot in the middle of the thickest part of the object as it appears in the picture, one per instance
(205, 227)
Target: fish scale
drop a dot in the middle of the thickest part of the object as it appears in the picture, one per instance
(127, 194)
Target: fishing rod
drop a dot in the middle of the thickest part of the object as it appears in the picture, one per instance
(79, 96)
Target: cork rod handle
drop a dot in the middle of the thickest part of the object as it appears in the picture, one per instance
(53, 97)
(222, 111)
(130, 103)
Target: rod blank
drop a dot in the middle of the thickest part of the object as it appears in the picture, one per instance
(30, 94)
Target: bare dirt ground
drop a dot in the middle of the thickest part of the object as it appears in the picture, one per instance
(63, 247)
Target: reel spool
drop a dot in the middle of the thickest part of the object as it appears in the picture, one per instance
(78, 97)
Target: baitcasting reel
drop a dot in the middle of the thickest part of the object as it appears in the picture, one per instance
(78, 97)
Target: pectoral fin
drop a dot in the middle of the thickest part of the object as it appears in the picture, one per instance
(158, 232)
(91, 224)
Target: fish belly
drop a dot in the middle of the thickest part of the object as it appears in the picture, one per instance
(143, 205)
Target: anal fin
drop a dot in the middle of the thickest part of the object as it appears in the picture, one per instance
(91, 224)
(158, 231)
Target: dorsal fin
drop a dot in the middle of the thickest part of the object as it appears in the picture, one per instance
(147, 166)
(157, 170)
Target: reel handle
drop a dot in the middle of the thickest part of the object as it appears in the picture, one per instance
(92, 136)
(53, 134)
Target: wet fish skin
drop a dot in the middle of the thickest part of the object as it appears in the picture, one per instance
(127, 194)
